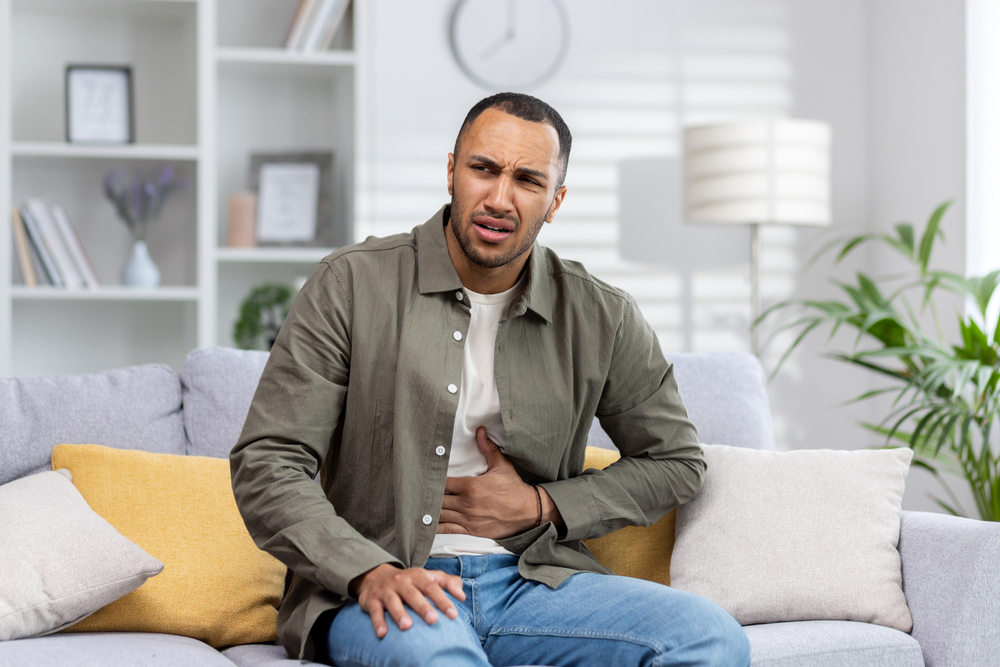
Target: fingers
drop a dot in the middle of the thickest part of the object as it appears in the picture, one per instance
(377, 613)
(455, 486)
(494, 457)
(415, 599)
(453, 584)
(445, 528)
(438, 597)
(394, 605)
(420, 590)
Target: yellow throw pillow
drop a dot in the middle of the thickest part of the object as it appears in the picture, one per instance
(633, 551)
(216, 586)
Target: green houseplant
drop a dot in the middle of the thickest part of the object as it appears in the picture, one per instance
(262, 313)
(946, 395)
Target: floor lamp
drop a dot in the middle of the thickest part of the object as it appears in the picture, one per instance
(771, 172)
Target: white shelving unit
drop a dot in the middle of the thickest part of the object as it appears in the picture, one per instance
(211, 86)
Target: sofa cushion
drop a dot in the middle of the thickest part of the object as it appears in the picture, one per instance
(59, 560)
(726, 398)
(831, 644)
(137, 407)
(217, 586)
(642, 552)
(110, 649)
(263, 655)
(218, 385)
(796, 536)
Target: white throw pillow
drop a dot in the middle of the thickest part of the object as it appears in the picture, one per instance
(59, 560)
(796, 536)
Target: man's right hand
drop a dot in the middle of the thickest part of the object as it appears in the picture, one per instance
(388, 588)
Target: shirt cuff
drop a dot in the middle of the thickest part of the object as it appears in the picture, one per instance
(577, 506)
(337, 574)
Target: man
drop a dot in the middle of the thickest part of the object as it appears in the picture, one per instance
(443, 383)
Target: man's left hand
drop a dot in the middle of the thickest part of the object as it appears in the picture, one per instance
(496, 504)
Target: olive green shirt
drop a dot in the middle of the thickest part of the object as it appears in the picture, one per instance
(361, 387)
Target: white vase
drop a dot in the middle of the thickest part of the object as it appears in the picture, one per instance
(140, 270)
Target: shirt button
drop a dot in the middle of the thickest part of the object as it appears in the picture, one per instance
(452, 388)
(440, 450)
(457, 335)
(427, 519)
(459, 296)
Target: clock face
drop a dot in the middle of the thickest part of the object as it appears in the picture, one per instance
(508, 44)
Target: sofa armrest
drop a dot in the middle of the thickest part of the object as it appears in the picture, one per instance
(952, 586)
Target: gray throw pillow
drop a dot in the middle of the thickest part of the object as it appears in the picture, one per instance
(796, 536)
(60, 561)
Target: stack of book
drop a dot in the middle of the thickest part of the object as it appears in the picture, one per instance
(49, 251)
(315, 24)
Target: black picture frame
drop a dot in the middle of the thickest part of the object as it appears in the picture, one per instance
(111, 103)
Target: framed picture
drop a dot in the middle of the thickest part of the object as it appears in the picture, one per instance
(294, 197)
(99, 104)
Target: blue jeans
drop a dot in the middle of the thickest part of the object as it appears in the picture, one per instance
(591, 619)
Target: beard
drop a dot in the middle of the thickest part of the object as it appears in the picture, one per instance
(463, 234)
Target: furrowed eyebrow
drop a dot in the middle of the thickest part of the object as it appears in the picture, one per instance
(526, 171)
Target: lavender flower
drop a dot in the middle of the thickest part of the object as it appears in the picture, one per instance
(138, 201)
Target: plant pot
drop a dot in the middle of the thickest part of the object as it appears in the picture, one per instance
(140, 270)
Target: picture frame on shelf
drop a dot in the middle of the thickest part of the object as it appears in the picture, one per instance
(294, 197)
(99, 104)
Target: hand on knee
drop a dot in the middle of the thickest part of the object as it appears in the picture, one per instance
(387, 588)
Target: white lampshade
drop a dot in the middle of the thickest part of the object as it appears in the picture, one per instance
(764, 172)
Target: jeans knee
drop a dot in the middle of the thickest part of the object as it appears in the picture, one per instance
(444, 644)
(730, 646)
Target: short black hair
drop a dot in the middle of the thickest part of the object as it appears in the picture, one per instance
(528, 108)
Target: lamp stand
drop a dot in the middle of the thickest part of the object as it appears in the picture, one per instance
(754, 287)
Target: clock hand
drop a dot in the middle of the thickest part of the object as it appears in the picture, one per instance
(492, 49)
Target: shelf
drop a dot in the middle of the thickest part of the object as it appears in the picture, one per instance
(284, 57)
(273, 255)
(118, 152)
(110, 293)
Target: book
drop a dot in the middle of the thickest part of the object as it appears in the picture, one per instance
(54, 244)
(75, 246)
(303, 19)
(333, 24)
(297, 27)
(318, 21)
(21, 243)
(38, 243)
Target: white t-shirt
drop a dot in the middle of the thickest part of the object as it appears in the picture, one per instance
(478, 405)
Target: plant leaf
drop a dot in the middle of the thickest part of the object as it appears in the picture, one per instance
(930, 232)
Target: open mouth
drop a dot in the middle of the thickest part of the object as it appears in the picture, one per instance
(493, 229)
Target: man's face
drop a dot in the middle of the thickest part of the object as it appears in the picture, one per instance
(503, 185)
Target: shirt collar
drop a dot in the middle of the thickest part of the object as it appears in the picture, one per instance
(436, 273)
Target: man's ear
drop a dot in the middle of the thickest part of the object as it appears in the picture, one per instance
(451, 174)
(556, 203)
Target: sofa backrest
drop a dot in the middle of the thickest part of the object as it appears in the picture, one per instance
(129, 408)
(726, 398)
(724, 393)
(218, 384)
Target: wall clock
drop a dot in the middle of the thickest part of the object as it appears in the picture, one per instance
(512, 44)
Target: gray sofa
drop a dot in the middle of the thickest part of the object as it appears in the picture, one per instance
(950, 565)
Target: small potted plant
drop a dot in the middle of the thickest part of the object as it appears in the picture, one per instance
(262, 313)
(138, 201)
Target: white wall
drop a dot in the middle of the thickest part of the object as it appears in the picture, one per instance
(917, 158)
(889, 75)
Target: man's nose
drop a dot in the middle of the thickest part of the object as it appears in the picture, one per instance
(501, 194)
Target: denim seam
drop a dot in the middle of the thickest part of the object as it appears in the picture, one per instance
(591, 634)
